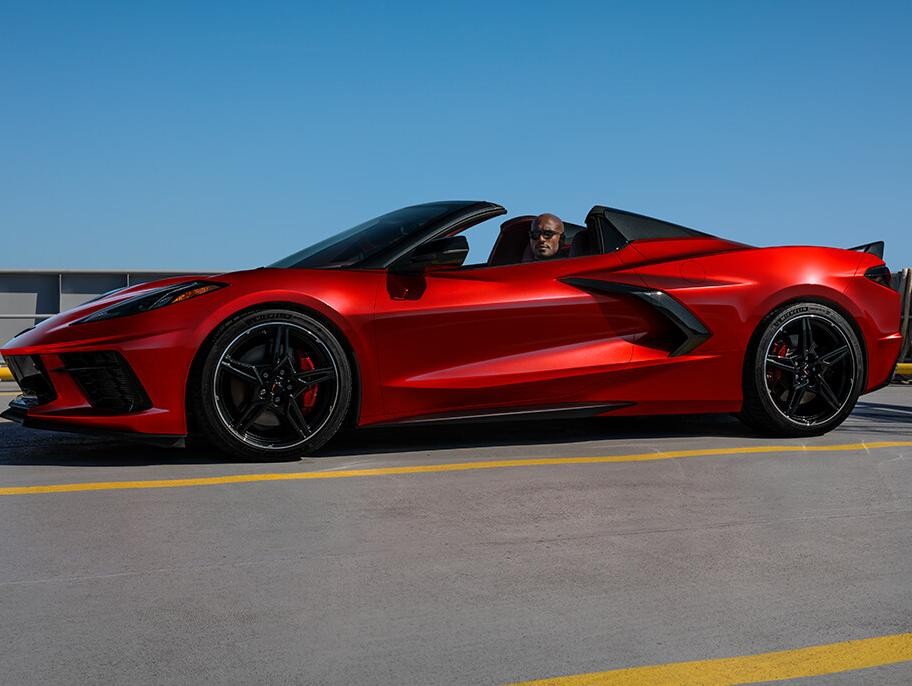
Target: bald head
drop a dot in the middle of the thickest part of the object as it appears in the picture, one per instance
(545, 235)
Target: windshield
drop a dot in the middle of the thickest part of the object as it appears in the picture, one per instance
(369, 238)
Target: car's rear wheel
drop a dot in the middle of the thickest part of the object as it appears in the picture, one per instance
(804, 372)
(275, 384)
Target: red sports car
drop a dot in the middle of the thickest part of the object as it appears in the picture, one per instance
(385, 324)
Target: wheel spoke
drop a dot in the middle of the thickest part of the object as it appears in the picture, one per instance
(807, 336)
(826, 392)
(248, 414)
(242, 370)
(794, 399)
(784, 363)
(311, 377)
(831, 358)
(295, 418)
(280, 345)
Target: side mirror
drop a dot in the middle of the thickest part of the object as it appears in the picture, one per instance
(442, 252)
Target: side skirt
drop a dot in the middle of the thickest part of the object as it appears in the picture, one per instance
(573, 411)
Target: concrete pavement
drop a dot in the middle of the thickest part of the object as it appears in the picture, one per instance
(457, 577)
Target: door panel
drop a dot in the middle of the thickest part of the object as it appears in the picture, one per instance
(502, 337)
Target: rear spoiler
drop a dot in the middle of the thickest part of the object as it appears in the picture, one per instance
(875, 248)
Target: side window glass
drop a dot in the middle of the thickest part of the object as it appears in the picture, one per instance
(481, 239)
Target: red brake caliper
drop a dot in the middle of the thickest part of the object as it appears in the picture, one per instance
(781, 349)
(309, 397)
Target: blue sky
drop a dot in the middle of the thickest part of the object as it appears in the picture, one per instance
(218, 136)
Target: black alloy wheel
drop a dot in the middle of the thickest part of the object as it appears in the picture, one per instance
(807, 371)
(275, 384)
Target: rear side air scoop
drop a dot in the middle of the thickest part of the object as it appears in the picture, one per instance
(694, 331)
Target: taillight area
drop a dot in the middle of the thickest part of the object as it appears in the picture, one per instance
(880, 274)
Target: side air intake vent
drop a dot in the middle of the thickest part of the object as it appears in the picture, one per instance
(694, 332)
(107, 381)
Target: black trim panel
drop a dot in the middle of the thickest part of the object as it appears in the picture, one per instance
(695, 331)
(570, 411)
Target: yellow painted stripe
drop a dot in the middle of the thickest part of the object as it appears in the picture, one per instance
(750, 669)
(446, 467)
(5, 374)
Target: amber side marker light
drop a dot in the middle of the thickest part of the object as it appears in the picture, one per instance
(199, 290)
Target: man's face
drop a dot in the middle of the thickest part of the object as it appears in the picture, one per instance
(545, 238)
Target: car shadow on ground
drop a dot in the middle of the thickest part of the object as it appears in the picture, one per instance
(890, 421)
(500, 434)
(883, 412)
(20, 446)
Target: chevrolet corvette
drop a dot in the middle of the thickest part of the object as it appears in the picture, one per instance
(386, 324)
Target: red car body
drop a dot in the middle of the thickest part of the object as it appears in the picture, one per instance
(495, 338)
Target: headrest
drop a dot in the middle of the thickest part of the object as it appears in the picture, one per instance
(581, 244)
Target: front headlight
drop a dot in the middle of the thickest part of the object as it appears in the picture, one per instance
(106, 295)
(160, 297)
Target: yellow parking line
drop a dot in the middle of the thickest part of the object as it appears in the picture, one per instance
(5, 374)
(750, 669)
(447, 467)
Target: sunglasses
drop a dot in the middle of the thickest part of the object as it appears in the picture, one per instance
(547, 234)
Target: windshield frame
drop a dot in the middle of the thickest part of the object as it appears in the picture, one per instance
(391, 233)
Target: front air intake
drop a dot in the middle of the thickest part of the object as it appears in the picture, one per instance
(29, 372)
(107, 381)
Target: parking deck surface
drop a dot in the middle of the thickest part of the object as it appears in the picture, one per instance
(692, 541)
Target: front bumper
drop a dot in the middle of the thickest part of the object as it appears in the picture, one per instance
(97, 390)
(18, 411)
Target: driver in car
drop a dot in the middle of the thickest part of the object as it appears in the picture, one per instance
(546, 238)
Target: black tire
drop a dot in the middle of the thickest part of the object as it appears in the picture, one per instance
(275, 384)
(803, 373)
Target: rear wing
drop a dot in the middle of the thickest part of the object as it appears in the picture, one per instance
(875, 248)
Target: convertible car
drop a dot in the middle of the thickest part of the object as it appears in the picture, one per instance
(385, 324)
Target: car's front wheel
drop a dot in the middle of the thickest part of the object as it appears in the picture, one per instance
(275, 384)
(804, 372)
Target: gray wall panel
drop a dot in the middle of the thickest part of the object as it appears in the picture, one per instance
(29, 293)
(76, 289)
(11, 327)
